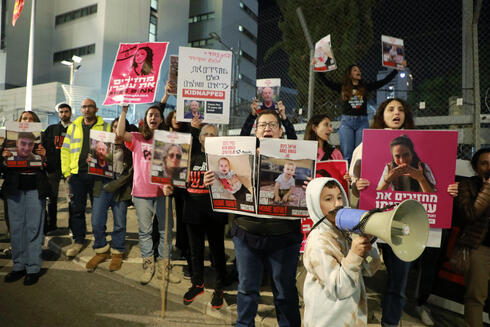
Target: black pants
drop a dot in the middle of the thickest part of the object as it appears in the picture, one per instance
(51, 218)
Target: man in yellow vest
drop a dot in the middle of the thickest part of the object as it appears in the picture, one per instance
(74, 167)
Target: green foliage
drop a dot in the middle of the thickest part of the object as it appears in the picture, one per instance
(350, 25)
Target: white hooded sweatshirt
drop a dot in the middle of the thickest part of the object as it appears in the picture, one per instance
(334, 292)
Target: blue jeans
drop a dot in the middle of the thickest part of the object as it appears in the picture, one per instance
(350, 133)
(80, 185)
(26, 212)
(101, 205)
(394, 298)
(145, 209)
(250, 265)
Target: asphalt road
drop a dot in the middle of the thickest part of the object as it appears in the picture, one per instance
(66, 295)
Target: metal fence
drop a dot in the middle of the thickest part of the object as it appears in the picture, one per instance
(438, 82)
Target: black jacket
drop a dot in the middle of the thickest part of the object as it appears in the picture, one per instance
(52, 140)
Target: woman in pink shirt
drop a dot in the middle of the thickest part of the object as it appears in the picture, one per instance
(148, 199)
(319, 129)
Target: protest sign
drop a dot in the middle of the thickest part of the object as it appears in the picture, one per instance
(268, 93)
(170, 159)
(324, 59)
(284, 166)
(135, 73)
(232, 159)
(393, 52)
(410, 164)
(204, 84)
(22, 138)
(101, 153)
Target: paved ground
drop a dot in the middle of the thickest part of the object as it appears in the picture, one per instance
(104, 298)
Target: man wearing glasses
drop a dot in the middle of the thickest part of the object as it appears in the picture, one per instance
(74, 167)
(261, 243)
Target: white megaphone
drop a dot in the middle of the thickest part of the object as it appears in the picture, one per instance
(405, 229)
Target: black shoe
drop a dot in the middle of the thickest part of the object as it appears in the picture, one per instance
(14, 276)
(31, 279)
(217, 299)
(187, 272)
(193, 292)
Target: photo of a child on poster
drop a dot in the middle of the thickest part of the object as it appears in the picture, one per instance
(268, 93)
(135, 73)
(410, 164)
(22, 139)
(100, 157)
(170, 158)
(393, 52)
(324, 59)
(232, 160)
(204, 81)
(284, 166)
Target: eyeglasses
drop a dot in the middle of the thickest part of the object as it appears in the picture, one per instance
(87, 106)
(271, 124)
(174, 155)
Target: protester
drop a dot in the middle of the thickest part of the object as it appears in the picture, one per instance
(268, 242)
(115, 194)
(148, 199)
(473, 207)
(74, 166)
(391, 114)
(200, 221)
(354, 91)
(52, 140)
(281, 110)
(26, 190)
(319, 128)
(334, 291)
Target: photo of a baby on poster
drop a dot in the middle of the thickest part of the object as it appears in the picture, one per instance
(410, 164)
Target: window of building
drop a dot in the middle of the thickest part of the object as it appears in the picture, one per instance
(152, 33)
(154, 5)
(249, 34)
(75, 14)
(248, 11)
(67, 54)
(201, 18)
(201, 43)
(248, 57)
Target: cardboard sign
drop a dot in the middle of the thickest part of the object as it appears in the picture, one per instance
(393, 52)
(324, 59)
(101, 154)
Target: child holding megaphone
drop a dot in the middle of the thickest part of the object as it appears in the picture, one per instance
(334, 263)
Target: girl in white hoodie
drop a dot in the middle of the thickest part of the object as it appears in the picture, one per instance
(334, 292)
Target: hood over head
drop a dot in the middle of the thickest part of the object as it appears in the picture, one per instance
(313, 192)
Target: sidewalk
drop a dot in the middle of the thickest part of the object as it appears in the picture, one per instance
(132, 268)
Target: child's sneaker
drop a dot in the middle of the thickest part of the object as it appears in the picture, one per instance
(217, 299)
(193, 292)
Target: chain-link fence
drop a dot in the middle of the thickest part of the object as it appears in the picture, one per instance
(438, 82)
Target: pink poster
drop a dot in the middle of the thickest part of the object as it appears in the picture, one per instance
(135, 73)
(410, 164)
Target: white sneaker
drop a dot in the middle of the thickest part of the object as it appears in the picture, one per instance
(148, 270)
(424, 314)
(74, 249)
(171, 277)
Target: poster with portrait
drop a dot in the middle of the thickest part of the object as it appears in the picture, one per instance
(268, 93)
(393, 52)
(173, 73)
(170, 158)
(284, 166)
(324, 59)
(204, 85)
(135, 73)
(232, 159)
(101, 155)
(22, 140)
(410, 164)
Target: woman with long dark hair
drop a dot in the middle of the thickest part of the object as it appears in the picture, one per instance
(142, 62)
(319, 128)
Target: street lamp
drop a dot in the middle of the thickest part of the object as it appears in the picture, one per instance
(73, 69)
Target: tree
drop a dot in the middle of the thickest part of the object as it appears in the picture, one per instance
(350, 25)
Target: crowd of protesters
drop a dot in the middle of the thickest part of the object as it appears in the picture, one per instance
(334, 292)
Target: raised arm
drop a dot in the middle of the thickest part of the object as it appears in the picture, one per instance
(332, 85)
(121, 126)
(288, 126)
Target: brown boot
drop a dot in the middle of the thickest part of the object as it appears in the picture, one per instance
(100, 256)
(116, 261)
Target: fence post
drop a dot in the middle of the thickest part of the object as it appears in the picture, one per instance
(311, 79)
(476, 77)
